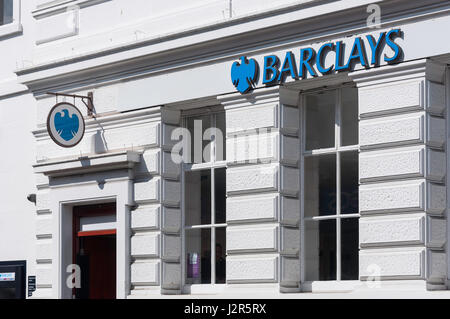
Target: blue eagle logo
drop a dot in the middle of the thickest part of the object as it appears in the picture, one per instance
(244, 74)
(67, 126)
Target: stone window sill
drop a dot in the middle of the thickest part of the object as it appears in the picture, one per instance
(10, 29)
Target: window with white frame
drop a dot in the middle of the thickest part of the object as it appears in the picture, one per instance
(330, 198)
(10, 18)
(6, 12)
(205, 200)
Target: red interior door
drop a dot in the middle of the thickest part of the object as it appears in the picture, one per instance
(95, 252)
(101, 251)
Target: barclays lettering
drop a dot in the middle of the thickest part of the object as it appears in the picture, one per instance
(244, 74)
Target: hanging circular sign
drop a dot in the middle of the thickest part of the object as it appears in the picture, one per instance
(65, 125)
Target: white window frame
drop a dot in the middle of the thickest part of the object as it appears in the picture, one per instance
(338, 284)
(212, 165)
(15, 26)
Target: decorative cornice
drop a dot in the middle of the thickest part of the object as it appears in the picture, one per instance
(225, 40)
(257, 96)
(85, 164)
(427, 68)
(331, 80)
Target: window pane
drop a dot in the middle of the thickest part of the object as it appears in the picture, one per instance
(2, 10)
(197, 127)
(320, 251)
(320, 120)
(220, 255)
(198, 197)
(320, 185)
(220, 195)
(198, 256)
(220, 138)
(6, 11)
(7, 293)
(349, 183)
(349, 248)
(349, 116)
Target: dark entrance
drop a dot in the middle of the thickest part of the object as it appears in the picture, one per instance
(95, 253)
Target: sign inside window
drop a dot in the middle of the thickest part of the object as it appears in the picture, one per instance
(245, 73)
(8, 276)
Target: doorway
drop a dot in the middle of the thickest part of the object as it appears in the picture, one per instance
(94, 241)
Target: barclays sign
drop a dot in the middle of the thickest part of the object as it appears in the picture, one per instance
(245, 73)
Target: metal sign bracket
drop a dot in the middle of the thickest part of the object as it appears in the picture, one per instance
(88, 100)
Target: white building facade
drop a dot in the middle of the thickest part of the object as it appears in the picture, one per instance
(324, 168)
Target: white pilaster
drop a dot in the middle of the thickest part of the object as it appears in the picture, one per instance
(402, 167)
(263, 188)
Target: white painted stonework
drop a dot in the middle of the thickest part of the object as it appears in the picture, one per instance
(252, 269)
(403, 162)
(251, 178)
(149, 163)
(395, 263)
(43, 225)
(402, 130)
(171, 220)
(147, 191)
(149, 64)
(144, 273)
(263, 116)
(252, 208)
(252, 148)
(145, 245)
(146, 217)
(401, 97)
(403, 193)
(405, 196)
(251, 239)
(392, 230)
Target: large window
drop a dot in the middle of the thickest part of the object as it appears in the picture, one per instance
(205, 200)
(330, 202)
(6, 11)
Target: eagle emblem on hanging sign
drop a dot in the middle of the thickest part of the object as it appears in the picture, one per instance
(65, 124)
(244, 74)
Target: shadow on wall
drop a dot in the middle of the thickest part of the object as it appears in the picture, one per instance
(99, 142)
